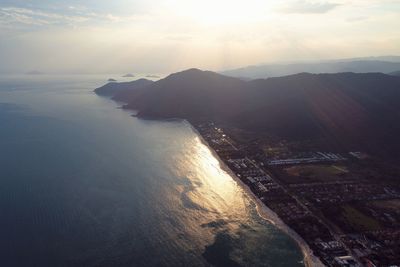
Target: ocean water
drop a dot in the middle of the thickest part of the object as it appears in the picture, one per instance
(83, 183)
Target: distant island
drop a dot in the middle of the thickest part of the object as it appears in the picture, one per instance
(129, 75)
(112, 80)
(34, 72)
(319, 153)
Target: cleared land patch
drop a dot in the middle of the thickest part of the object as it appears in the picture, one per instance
(392, 205)
(315, 173)
(358, 220)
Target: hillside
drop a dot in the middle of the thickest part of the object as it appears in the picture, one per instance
(191, 93)
(347, 109)
(113, 89)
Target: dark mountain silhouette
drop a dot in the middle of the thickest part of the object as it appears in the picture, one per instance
(356, 65)
(357, 111)
(113, 88)
(191, 93)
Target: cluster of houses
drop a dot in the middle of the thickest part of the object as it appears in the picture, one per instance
(312, 157)
(297, 204)
(341, 192)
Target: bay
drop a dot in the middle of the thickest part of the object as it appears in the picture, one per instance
(83, 183)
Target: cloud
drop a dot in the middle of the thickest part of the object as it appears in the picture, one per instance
(24, 17)
(357, 19)
(11, 16)
(308, 7)
(160, 37)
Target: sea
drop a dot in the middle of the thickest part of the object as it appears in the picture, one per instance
(84, 183)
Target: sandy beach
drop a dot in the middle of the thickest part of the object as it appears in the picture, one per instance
(310, 260)
(266, 213)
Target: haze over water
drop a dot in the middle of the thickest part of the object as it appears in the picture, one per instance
(85, 184)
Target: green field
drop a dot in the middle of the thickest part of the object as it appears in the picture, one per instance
(358, 220)
(316, 173)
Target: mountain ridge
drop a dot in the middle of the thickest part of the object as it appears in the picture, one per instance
(113, 89)
(395, 73)
(335, 66)
(353, 110)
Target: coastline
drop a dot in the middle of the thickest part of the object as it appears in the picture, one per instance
(309, 259)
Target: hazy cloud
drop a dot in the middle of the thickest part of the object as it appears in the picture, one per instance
(27, 19)
(30, 17)
(169, 35)
(308, 7)
(357, 19)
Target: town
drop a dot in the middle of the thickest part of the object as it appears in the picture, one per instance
(337, 202)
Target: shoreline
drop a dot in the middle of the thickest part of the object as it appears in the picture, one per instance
(309, 259)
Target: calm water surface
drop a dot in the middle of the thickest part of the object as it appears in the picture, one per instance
(82, 183)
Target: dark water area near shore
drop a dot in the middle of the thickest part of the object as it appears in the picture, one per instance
(83, 183)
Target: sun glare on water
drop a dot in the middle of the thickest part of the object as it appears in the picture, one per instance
(215, 182)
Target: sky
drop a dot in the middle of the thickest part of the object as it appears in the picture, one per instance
(162, 36)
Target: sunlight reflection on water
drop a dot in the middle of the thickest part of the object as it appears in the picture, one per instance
(85, 184)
